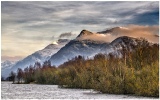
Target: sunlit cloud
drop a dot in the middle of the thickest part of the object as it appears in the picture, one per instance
(149, 33)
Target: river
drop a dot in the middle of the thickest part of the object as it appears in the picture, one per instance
(36, 91)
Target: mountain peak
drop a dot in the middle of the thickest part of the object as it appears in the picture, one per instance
(84, 32)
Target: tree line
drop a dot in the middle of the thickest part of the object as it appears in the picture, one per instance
(136, 72)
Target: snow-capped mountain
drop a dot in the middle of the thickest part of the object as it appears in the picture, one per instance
(39, 56)
(89, 48)
(7, 64)
(86, 44)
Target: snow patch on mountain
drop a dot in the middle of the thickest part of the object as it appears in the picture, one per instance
(7, 64)
(38, 56)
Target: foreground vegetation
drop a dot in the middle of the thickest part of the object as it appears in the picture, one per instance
(136, 72)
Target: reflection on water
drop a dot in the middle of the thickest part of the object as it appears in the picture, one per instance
(34, 91)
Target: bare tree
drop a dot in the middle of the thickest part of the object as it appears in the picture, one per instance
(12, 76)
(19, 75)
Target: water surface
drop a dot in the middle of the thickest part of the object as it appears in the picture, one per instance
(35, 91)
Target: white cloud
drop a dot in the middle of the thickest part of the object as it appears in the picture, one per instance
(64, 13)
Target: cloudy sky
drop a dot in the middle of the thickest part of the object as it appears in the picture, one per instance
(30, 26)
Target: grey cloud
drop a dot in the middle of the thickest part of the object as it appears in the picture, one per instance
(81, 12)
(151, 18)
(39, 20)
(68, 34)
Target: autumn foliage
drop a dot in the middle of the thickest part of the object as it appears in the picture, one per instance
(136, 72)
